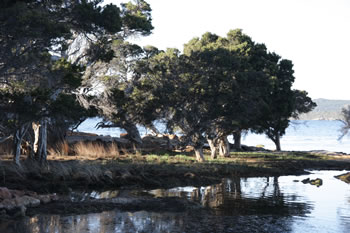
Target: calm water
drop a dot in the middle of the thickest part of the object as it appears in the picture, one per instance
(264, 204)
(300, 136)
(305, 136)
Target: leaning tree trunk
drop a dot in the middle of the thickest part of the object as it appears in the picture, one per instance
(212, 148)
(152, 127)
(237, 135)
(133, 133)
(224, 147)
(277, 142)
(17, 140)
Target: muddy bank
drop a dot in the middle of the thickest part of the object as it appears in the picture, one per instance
(14, 203)
(143, 172)
(63, 176)
(344, 177)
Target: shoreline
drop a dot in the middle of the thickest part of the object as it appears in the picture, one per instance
(149, 172)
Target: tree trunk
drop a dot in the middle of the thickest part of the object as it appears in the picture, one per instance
(31, 155)
(212, 148)
(237, 135)
(224, 147)
(277, 142)
(36, 129)
(198, 150)
(17, 140)
(17, 146)
(133, 133)
(42, 150)
(153, 128)
(40, 140)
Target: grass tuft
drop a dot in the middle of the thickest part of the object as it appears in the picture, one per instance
(61, 149)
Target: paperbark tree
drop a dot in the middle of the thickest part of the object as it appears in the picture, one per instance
(34, 37)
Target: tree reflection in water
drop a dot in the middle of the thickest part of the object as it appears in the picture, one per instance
(244, 205)
(242, 196)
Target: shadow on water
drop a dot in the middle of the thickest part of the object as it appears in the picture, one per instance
(266, 204)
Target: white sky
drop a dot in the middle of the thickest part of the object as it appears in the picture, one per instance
(314, 34)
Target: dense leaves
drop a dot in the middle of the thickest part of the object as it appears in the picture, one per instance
(53, 51)
(37, 65)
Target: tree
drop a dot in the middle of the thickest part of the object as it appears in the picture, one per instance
(116, 100)
(220, 86)
(240, 80)
(191, 89)
(34, 64)
(345, 113)
(281, 102)
(109, 80)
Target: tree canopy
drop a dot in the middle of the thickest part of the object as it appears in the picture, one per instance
(36, 38)
(54, 52)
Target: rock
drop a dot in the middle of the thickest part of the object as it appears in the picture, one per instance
(306, 181)
(108, 174)
(44, 199)
(16, 202)
(8, 204)
(253, 148)
(344, 177)
(54, 197)
(189, 174)
(5, 193)
(30, 193)
(80, 176)
(318, 182)
(27, 201)
(18, 193)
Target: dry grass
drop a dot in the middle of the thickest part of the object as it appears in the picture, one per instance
(60, 149)
(96, 150)
(5, 149)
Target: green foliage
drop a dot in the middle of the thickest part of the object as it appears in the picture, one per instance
(70, 73)
(220, 85)
(282, 102)
(34, 33)
(137, 17)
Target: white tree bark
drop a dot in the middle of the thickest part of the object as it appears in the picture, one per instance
(212, 148)
(36, 129)
(40, 140)
(224, 147)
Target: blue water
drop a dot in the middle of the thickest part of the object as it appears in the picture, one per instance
(255, 204)
(305, 136)
(300, 136)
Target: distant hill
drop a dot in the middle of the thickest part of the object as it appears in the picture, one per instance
(326, 110)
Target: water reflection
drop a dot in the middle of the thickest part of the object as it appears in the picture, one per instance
(266, 204)
(241, 196)
(105, 222)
